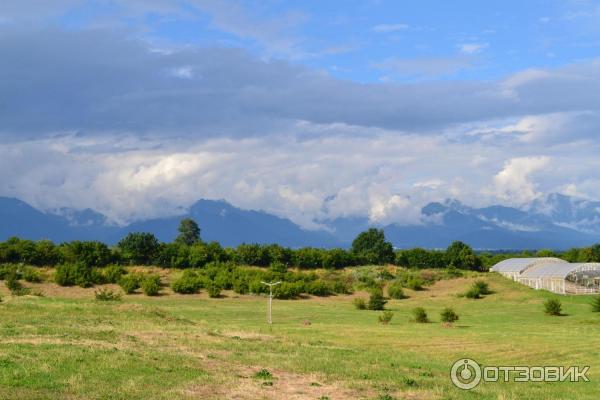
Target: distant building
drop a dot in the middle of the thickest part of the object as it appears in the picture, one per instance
(552, 274)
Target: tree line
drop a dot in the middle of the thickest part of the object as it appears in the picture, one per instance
(188, 250)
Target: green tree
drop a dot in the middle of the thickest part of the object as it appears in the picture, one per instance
(461, 255)
(189, 232)
(139, 248)
(371, 247)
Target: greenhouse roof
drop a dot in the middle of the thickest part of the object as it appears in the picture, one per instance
(557, 270)
(521, 264)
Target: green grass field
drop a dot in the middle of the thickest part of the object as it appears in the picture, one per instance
(68, 345)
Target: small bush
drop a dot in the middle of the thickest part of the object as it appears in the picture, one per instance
(263, 374)
(278, 267)
(415, 283)
(420, 315)
(76, 274)
(553, 307)
(151, 285)
(287, 290)
(32, 275)
(448, 315)
(341, 287)
(395, 291)
(190, 282)
(213, 290)
(15, 287)
(319, 288)
(482, 286)
(473, 293)
(130, 283)
(376, 300)
(241, 286)
(360, 304)
(596, 304)
(386, 317)
(107, 295)
(113, 273)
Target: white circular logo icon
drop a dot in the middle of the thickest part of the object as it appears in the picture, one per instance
(465, 374)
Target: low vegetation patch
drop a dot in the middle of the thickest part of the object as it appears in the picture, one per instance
(190, 282)
(553, 307)
(151, 285)
(376, 300)
(448, 315)
(131, 282)
(360, 304)
(420, 315)
(263, 374)
(385, 317)
(479, 289)
(395, 291)
(107, 295)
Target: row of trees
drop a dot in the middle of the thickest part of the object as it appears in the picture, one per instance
(189, 251)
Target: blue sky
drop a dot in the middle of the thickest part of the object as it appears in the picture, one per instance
(352, 39)
(307, 109)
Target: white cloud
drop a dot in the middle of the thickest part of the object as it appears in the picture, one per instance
(472, 48)
(388, 28)
(513, 184)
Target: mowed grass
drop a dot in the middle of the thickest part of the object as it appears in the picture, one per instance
(68, 345)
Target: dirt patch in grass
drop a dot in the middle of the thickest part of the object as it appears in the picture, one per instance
(238, 383)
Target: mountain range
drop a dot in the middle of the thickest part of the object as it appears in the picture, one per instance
(556, 221)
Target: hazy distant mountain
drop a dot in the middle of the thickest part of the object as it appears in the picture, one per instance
(218, 220)
(557, 222)
(498, 227)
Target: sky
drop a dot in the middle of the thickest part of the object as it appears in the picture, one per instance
(310, 110)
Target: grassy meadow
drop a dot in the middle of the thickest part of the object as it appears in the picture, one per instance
(65, 344)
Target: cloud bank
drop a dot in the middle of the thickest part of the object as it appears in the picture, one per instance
(93, 118)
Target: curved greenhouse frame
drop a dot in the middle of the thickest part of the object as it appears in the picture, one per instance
(513, 267)
(552, 274)
(576, 278)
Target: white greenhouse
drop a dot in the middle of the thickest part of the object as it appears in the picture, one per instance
(552, 274)
(513, 267)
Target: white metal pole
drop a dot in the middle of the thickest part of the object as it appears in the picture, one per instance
(270, 315)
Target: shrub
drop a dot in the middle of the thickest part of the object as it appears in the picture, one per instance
(213, 290)
(420, 315)
(287, 290)
(482, 286)
(395, 291)
(107, 295)
(415, 283)
(553, 307)
(341, 287)
(263, 374)
(130, 283)
(596, 304)
(376, 300)
(32, 275)
(448, 315)
(386, 317)
(360, 304)
(76, 274)
(113, 273)
(151, 285)
(241, 286)
(473, 293)
(278, 267)
(15, 287)
(190, 282)
(319, 288)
